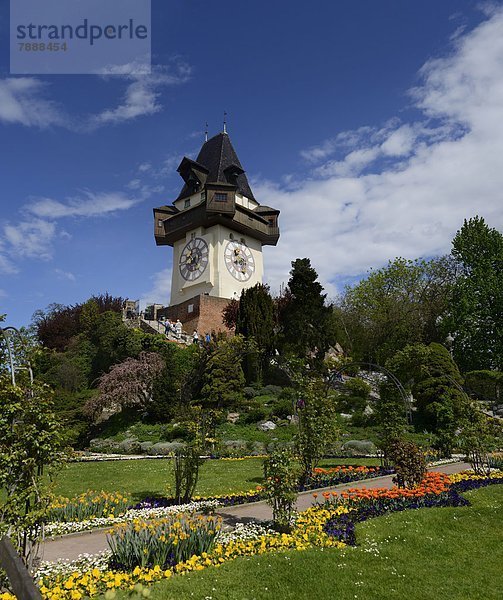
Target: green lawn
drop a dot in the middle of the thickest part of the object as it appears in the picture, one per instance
(427, 554)
(142, 478)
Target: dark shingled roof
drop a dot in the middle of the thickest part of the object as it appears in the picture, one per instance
(217, 155)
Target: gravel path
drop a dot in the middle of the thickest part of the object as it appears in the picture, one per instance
(69, 547)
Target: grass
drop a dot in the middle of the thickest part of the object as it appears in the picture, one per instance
(143, 478)
(435, 553)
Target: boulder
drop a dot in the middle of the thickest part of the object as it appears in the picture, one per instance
(233, 417)
(266, 426)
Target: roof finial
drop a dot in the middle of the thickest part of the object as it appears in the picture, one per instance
(206, 132)
(225, 122)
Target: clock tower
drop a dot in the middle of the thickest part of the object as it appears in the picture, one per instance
(217, 229)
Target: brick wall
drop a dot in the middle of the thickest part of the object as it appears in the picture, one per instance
(200, 313)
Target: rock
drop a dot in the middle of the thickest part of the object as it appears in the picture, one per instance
(368, 411)
(233, 417)
(294, 419)
(266, 426)
(346, 416)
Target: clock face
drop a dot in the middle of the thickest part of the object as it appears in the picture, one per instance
(239, 260)
(194, 259)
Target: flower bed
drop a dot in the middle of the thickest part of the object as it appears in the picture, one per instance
(88, 506)
(437, 490)
(329, 523)
(77, 583)
(342, 474)
(320, 478)
(132, 514)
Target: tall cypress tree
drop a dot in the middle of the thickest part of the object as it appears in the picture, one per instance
(255, 319)
(306, 321)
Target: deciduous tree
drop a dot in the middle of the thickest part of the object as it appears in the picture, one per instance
(402, 303)
(476, 313)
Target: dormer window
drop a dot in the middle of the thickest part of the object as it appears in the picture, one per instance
(187, 203)
(220, 197)
(203, 196)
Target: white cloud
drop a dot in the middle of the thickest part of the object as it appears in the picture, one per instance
(65, 275)
(22, 102)
(34, 237)
(142, 95)
(90, 204)
(134, 184)
(6, 265)
(160, 289)
(30, 239)
(400, 142)
(402, 189)
(144, 167)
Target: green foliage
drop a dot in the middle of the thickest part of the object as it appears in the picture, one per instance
(280, 486)
(254, 415)
(355, 397)
(408, 461)
(397, 305)
(186, 465)
(89, 505)
(476, 314)
(305, 320)
(255, 320)
(283, 408)
(485, 385)
(223, 377)
(441, 554)
(478, 437)
(435, 382)
(318, 424)
(390, 415)
(165, 542)
(114, 342)
(58, 324)
(29, 442)
(357, 387)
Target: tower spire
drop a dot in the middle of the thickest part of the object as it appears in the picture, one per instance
(225, 122)
(206, 132)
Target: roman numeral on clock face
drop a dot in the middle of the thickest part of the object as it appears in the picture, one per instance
(193, 259)
(239, 260)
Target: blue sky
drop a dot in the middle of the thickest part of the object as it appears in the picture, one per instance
(376, 128)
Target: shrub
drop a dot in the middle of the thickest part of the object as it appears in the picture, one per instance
(271, 390)
(254, 416)
(249, 392)
(409, 463)
(166, 448)
(318, 425)
(282, 408)
(186, 472)
(280, 486)
(362, 447)
(357, 387)
(129, 446)
(146, 447)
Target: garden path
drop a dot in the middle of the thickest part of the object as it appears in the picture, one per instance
(69, 547)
